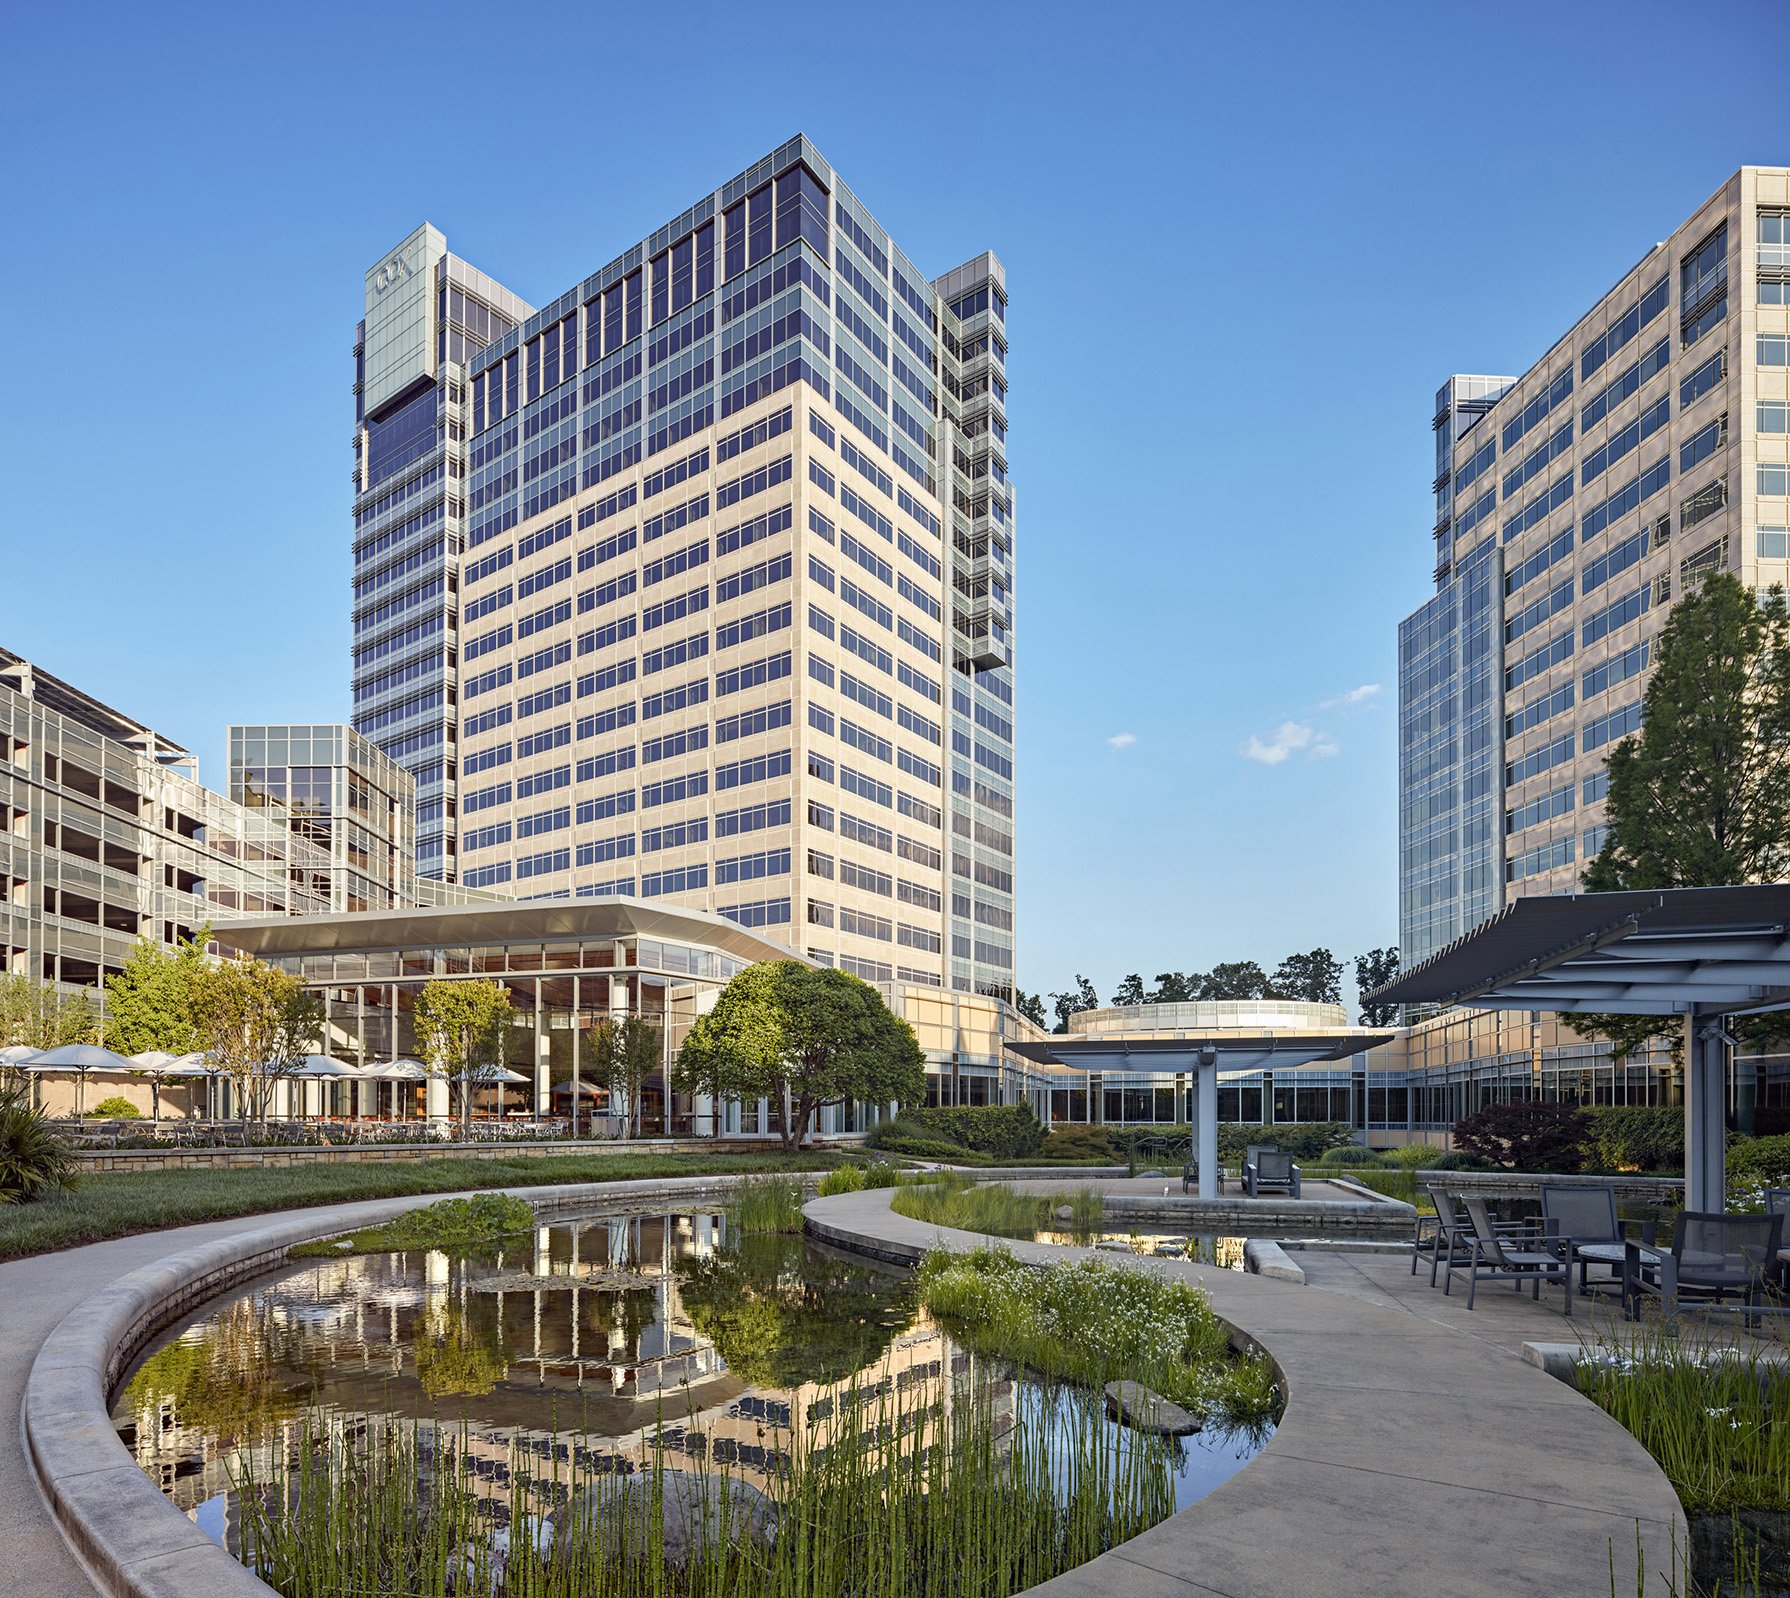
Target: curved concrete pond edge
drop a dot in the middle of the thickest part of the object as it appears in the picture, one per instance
(1410, 1458)
(130, 1540)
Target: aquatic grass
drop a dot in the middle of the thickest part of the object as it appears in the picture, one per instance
(118, 1204)
(455, 1226)
(959, 1201)
(1091, 1323)
(980, 1490)
(1718, 1422)
(766, 1204)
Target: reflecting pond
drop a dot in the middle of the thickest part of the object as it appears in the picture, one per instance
(593, 1342)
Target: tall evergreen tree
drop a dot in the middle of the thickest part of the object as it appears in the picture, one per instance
(1130, 991)
(1701, 798)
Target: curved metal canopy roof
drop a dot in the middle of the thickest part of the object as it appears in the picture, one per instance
(1234, 1051)
(1659, 952)
(525, 921)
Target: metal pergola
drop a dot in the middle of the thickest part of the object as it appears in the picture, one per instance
(1205, 1055)
(1704, 954)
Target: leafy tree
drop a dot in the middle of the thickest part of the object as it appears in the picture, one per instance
(1175, 987)
(1031, 1006)
(1067, 1004)
(1702, 797)
(149, 1004)
(1374, 970)
(37, 1015)
(1235, 979)
(1532, 1135)
(803, 1037)
(622, 1055)
(1315, 978)
(1130, 991)
(460, 1033)
(257, 1023)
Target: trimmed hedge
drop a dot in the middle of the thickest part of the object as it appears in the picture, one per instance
(1760, 1161)
(1636, 1137)
(1003, 1131)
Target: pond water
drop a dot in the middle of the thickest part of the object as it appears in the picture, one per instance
(591, 1342)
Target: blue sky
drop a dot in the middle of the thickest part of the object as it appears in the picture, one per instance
(1244, 245)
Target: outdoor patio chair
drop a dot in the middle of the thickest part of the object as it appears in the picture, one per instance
(1439, 1235)
(1777, 1202)
(1712, 1257)
(1190, 1173)
(1270, 1168)
(1583, 1221)
(1519, 1254)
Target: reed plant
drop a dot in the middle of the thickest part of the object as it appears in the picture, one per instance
(1090, 1323)
(959, 1201)
(1718, 1422)
(766, 1204)
(973, 1491)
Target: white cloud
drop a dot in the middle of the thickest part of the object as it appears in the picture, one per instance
(1121, 740)
(1287, 738)
(1355, 696)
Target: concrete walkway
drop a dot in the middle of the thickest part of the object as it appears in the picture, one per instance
(1411, 1458)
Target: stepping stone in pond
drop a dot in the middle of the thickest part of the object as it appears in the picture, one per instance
(1146, 1411)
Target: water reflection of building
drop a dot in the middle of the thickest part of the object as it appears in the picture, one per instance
(594, 1363)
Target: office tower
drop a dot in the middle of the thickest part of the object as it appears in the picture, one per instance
(1645, 449)
(736, 595)
(427, 314)
(355, 804)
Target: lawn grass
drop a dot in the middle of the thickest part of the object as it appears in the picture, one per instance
(122, 1203)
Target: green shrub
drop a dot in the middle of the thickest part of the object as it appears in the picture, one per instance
(847, 1179)
(900, 1137)
(1637, 1137)
(116, 1108)
(35, 1160)
(1304, 1143)
(1414, 1156)
(1353, 1154)
(1760, 1161)
(1450, 1160)
(1002, 1131)
(1080, 1145)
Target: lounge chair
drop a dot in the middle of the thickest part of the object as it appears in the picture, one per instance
(1583, 1221)
(1440, 1236)
(1270, 1168)
(1190, 1173)
(1777, 1202)
(1712, 1257)
(1520, 1254)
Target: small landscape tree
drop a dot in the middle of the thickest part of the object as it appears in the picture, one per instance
(37, 1015)
(150, 1003)
(805, 1038)
(1532, 1135)
(460, 1029)
(257, 1023)
(623, 1054)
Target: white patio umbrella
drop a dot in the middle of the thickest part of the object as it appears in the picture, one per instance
(319, 1065)
(16, 1054)
(499, 1074)
(152, 1063)
(82, 1058)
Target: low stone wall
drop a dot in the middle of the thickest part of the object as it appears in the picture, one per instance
(275, 1158)
(1258, 1215)
(130, 1539)
(1527, 1184)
